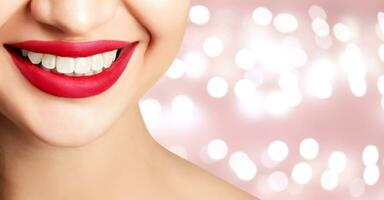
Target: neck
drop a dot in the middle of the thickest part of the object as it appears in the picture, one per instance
(121, 160)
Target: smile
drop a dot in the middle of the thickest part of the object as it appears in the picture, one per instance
(72, 70)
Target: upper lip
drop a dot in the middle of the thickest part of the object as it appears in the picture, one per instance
(70, 49)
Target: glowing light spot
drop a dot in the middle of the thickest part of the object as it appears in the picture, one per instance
(297, 56)
(302, 173)
(370, 155)
(250, 100)
(276, 104)
(255, 75)
(316, 11)
(329, 180)
(244, 168)
(320, 27)
(289, 84)
(358, 87)
(244, 89)
(213, 46)
(278, 181)
(236, 159)
(309, 148)
(381, 52)
(380, 84)
(337, 162)
(183, 105)
(293, 97)
(286, 23)
(199, 14)
(352, 60)
(319, 79)
(217, 149)
(245, 59)
(246, 171)
(379, 29)
(380, 18)
(371, 175)
(342, 32)
(262, 16)
(217, 87)
(278, 151)
(357, 188)
(176, 70)
(289, 51)
(151, 110)
(196, 64)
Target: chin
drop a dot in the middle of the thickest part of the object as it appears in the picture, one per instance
(68, 127)
(75, 136)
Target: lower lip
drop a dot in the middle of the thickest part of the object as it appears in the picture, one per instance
(73, 86)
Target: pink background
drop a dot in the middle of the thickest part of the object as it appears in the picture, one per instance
(342, 122)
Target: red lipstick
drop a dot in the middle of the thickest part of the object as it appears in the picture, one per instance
(70, 86)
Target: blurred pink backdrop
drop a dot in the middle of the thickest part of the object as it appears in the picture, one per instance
(283, 99)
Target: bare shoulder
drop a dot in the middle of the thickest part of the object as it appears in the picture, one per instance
(217, 188)
(200, 184)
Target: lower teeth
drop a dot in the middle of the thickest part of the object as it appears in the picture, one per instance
(92, 72)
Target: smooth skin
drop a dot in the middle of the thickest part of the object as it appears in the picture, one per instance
(94, 148)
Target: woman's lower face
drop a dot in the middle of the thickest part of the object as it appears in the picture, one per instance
(69, 69)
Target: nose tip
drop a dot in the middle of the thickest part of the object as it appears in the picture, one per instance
(75, 17)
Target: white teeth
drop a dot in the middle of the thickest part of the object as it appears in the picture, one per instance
(65, 65)
(48, 61)
(97, 62)
(108, 58)
(82, 66)
(35, 58)
(114, 55)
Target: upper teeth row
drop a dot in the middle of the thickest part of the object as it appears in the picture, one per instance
(72, 66)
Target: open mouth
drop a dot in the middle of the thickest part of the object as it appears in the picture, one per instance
(81, 66)
(72, 70)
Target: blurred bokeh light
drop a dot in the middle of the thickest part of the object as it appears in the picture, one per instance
(284, 99)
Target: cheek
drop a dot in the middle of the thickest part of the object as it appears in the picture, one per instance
(160, 17)
(165, 21)
(8, 8)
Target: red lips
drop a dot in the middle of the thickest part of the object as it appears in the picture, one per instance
(72, 87)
